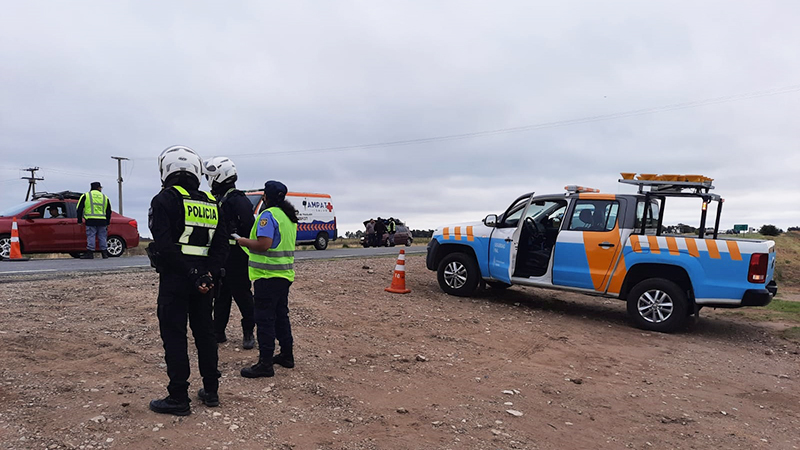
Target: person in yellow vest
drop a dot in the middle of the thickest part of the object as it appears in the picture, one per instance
(271, 267)
(95, 208)
(189, 249)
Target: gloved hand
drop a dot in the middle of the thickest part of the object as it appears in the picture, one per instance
(203, 282)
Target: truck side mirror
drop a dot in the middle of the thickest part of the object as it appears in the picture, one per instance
(34, 215)
(490, 220)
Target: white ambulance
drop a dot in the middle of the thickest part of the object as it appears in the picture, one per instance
(317, 220)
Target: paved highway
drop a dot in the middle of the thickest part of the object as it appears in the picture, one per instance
(63, 265)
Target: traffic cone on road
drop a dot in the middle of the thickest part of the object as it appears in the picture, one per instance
(399, 278)
(15, 254)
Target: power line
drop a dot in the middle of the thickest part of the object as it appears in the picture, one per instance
(538, 126)
(67, 172)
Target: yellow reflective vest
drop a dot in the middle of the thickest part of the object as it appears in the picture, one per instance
(94, 205)
(276, 262)
(200, 223)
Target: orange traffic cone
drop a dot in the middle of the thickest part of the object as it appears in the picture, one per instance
(399, 278)
(15, 254)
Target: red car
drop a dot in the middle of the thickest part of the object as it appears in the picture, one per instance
(49, 224)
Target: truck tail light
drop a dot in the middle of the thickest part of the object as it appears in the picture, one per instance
(133, 224)
(758, 268)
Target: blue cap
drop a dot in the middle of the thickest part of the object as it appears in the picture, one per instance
(275, 190)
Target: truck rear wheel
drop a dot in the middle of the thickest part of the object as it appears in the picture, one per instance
(658, 305)
(458, 274)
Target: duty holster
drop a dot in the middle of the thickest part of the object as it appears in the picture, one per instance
(154, 257)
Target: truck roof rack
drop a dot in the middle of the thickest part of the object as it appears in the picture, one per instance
(676, 186)
(673, 185)
(62, 195)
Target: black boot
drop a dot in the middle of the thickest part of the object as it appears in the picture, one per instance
(284, 358)
(208, 398)
(105, 254)
(249, 341)
(262, 369)
(221, 337)
(170, 405)
(88, 255)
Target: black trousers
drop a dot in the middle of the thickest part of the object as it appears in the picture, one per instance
(272, 315)
(177, 300)
(236, 285)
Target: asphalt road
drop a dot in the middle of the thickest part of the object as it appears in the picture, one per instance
(64, 265)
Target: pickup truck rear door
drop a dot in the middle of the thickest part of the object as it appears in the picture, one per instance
(503, 242)
(589, 244)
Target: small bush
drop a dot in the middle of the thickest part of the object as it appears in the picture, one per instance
(770, 230)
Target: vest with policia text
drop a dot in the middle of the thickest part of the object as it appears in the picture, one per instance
(276, 262)
(94, 205)
(200, 223)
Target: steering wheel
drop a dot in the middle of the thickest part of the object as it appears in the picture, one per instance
(533, 227)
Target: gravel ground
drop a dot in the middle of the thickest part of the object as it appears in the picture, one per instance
(514, 369)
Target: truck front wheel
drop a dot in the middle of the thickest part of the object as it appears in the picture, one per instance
(658, 304)
(458, 274)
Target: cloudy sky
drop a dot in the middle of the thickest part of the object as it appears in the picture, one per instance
(430, 111)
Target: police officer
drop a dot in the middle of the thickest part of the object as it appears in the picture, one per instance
(190, 244)
(271, 249)
(95, 208)
(238, 212)
(391, 227)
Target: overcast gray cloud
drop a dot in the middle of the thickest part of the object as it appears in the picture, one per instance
(267, 83)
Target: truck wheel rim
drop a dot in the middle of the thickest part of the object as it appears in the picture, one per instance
(455, 275)
(655, 306)
(114, 247)
(5, 247)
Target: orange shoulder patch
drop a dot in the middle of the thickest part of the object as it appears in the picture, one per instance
(263, 222)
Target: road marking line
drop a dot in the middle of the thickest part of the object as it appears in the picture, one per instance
(31, 271)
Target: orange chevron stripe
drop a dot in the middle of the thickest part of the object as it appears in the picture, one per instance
(446, 233)
(733, 249)
(653, 241)
(635, 244)
(713, 251)
(691, 245)
(672, 244)
(458, 233)
(470, 237)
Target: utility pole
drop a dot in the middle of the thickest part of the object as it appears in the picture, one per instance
(31, 182)
(119, 178)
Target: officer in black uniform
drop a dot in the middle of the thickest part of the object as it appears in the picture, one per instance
(238, 212)
(190, 244)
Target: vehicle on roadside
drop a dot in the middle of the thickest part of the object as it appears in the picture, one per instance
(609, 245)
(49, 224)
(317, 220)
(402, 236)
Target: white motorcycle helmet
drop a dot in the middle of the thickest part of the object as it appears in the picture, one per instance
(179, 158)
(219, 170)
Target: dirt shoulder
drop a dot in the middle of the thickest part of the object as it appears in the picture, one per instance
(82, 358)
